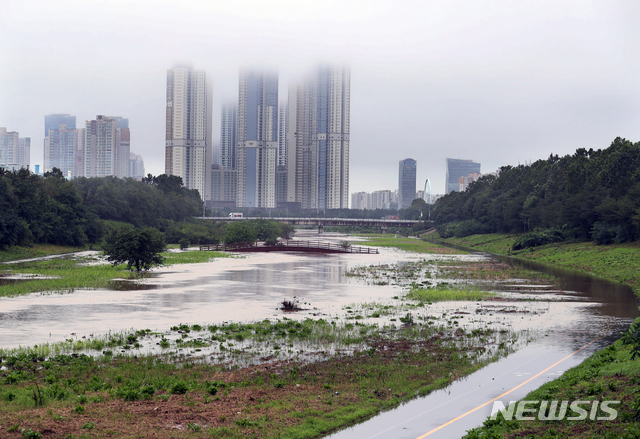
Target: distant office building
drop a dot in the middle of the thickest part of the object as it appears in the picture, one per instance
(322, 121)
(136, 167)
(228, 138)
(406, 183)
(224, 184)
(188, 147)
(257, 139)
(53, 121)
(457, 168)
(60, 148)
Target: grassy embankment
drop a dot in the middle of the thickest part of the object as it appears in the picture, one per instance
(67, 273)
(407, 244)
(15, 253)
(618, 262)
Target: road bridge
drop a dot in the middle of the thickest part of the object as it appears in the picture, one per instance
(322, 222)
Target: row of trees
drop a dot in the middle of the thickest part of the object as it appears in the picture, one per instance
(590, 195)
(52, 210)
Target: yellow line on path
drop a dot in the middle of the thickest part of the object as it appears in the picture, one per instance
(507, 392)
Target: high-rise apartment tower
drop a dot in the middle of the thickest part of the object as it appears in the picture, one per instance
(257, 139)
(188, 147)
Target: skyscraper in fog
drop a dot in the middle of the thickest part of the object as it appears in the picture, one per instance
(257, 139)
(188, 148)
(406, 183)
(53, 121)
(228, 127)
(322, 143)
(60, 148)
(457, 168)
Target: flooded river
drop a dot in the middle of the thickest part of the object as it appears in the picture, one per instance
(251, 287)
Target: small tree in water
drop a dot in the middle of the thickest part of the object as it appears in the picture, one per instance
(139, 248)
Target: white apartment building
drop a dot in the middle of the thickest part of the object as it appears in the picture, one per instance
(188, 147)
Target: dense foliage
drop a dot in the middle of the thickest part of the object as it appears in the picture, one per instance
(139, 248)
(52, 210)
(47, 210)
(590, 195)
(145, 203)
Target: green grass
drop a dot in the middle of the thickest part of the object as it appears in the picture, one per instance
(407, 244)
(68, 274)
(16, 253)
(447, 294)
(609, 374)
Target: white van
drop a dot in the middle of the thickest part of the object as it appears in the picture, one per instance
(235, 215)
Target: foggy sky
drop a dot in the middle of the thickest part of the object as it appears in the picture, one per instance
(498, 82)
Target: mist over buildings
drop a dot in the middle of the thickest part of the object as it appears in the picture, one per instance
(489, 81)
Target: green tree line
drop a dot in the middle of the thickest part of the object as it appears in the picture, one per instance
(49, 209)
(590, 195)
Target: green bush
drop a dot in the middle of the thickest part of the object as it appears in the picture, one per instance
(537, 238)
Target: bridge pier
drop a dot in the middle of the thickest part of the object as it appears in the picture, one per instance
(320, 229)
(383, 230)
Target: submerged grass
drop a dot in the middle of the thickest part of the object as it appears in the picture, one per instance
(617, 262)
(66, 274)
(126, 396)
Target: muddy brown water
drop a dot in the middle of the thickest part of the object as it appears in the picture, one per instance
(251, 287)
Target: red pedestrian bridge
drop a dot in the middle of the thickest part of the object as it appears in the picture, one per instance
(289, 245)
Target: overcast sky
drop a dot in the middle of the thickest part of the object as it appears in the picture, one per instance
(498, 82)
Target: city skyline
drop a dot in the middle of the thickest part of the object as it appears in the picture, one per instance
(502, 83)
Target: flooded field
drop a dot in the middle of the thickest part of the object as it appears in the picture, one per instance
(544, 313)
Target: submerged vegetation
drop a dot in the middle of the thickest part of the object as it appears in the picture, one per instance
(616, 262)
(298, 386)
(67, 273)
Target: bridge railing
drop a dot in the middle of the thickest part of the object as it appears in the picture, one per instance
(292, 244)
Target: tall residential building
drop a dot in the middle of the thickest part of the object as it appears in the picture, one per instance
(101, 144)
(60, 147)
(224, 185)
(406, 183)
(123, 145)
(9, 149)
(257, 139)
(106, 149)
(25, 152)
(188, 147)
(283, 124)
(228, 139)
(322, 130)
(457, 168)
(53, 121)
(78, 162)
